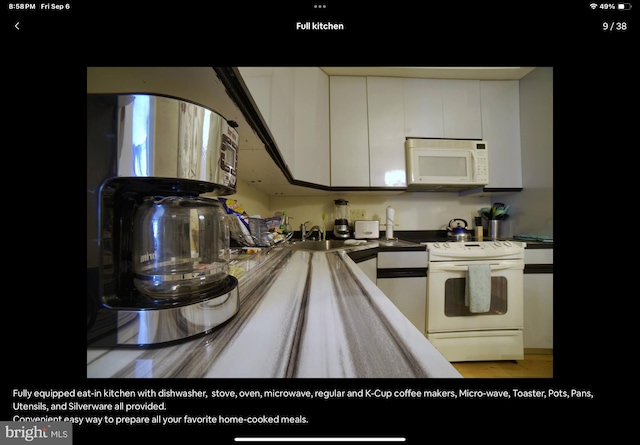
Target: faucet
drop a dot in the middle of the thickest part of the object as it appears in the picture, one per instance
(304, 234)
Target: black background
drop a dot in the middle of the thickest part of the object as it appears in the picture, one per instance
(595, 163)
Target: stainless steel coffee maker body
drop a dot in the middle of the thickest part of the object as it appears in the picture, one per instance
(157, 251)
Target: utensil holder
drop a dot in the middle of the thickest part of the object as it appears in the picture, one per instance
(494, 228)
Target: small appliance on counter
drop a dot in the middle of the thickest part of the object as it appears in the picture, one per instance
(366, 229)
(457, 230)
(157, 251)
(341, 215)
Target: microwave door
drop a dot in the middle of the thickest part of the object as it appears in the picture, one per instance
(444, 167)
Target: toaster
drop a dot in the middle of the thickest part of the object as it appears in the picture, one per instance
(366, 229)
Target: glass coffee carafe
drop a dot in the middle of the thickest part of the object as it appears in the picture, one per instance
(180, 247)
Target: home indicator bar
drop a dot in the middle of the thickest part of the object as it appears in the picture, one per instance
(320, 439)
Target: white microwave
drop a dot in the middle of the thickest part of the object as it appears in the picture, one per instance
(446, 164)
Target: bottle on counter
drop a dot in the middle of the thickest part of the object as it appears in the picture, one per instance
(285, 227)
(478, 225)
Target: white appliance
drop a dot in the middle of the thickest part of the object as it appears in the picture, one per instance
(364, 229)
(457, 332)
(446, 164)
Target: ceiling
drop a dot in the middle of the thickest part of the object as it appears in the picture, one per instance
(258, 169)
(428, 72)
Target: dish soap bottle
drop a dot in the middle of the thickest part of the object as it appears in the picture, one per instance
(285, 227)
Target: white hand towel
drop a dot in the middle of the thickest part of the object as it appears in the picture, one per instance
(478, 289)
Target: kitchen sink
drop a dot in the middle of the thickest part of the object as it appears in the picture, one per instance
(318, 245)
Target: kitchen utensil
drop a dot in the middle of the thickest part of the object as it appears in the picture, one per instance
(494, 209)
(458, 232)
(494, 228)
(497, 211)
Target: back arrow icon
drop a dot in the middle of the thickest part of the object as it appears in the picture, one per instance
(16, 25)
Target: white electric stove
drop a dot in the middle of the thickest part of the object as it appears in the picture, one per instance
(452, 327)
(474, 250)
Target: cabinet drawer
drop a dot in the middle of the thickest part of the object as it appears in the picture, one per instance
(538, 256)
(399, 260)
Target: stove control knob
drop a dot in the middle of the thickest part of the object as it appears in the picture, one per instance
(508, 243)
(446, 245)
(496, 243)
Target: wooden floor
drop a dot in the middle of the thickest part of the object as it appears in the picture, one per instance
(533, 366)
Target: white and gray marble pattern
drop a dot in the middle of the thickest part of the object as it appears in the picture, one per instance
(302, 314)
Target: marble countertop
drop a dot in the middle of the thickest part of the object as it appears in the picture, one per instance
(302, 314)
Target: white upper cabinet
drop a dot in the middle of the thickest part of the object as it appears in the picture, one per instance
(272, 91)
(294, 103)
(442, 108)
(461, 109)
(501, 129)
(387, 167)
(423, 116)
(311, 126)
(367, 132)
(349, 131)
(282, 113)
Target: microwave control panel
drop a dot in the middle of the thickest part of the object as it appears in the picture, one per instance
(482, 170)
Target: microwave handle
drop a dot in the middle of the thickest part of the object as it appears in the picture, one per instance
(474, 167)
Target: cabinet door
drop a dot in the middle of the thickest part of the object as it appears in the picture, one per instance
(538, 311)
(387, 166)
(311, 126)
(461, 109)
(422, 101)
(272, 91)
(369, 267)
(410, 296)
(282, 113)
(538, 301)
(501, 130)
(349, 131)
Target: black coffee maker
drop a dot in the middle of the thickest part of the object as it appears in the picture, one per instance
(157, 251)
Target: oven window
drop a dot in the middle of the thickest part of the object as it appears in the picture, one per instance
(454, 289)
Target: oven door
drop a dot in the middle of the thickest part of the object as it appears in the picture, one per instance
(446, 286)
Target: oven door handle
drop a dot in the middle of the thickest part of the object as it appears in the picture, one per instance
(465, 267)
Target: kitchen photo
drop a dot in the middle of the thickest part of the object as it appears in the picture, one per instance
(320, 222)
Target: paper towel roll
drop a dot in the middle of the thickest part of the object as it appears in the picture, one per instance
(390, 215)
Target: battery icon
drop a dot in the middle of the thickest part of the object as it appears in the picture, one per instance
(624, 6)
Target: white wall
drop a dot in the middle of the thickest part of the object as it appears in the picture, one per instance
(532, 209)
(413, 211)
(251, 199)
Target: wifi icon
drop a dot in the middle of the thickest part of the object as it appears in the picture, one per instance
(593, 5)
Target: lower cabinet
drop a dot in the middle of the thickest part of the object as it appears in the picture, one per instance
(402, 276)
(409, 294)
(369, 267)
(538, 300)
